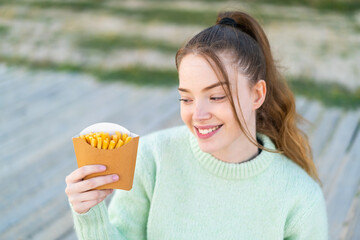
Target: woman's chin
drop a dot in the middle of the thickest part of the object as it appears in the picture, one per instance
(208, 148)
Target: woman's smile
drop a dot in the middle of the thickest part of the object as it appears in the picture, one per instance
(205, 132)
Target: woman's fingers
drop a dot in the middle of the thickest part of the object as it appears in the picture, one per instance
(78, 189)
(80, 173)
(94, 182)
(93, 195)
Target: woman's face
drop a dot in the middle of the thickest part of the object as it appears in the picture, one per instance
(205, 108)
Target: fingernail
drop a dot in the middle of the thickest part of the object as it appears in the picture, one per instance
(102, 168)
(115, 177)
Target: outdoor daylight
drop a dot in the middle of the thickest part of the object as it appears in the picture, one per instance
(159, 119)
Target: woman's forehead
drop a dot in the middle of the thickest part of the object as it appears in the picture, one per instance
(196, 67)
(195, 70)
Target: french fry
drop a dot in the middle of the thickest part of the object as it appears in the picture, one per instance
(112, 144)
(105, 143)
(124, 136)
(87, 137)
(114, 137)
(96, 135)
(99, 143)
(104, 135)
(93, 141)
(127, 140)
(119, 144)
(118, 134)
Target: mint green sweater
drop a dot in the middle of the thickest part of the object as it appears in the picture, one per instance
(180, 192)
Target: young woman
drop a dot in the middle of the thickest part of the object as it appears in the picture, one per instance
(239, 168)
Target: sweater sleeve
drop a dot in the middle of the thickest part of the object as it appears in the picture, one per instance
(309, 221)
(126, 217)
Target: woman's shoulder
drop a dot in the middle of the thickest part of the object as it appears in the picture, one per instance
(296, 180)
(288, 173)
(302, 199)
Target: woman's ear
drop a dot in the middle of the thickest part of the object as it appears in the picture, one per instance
(259, 93)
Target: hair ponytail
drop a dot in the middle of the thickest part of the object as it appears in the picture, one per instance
(277, 117)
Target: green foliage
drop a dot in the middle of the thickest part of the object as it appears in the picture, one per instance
(4, 30)
(330, 94)
(72, 5)
(344, 6)
(178, 16)
(140, 76)
(110, 42)
(154, 14)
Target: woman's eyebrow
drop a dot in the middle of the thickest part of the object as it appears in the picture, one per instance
(206, 88)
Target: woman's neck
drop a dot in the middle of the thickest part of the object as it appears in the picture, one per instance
(239, 151)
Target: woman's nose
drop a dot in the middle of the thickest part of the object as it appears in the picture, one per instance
(201, 112)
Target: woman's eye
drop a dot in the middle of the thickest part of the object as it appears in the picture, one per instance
(217, 98)
(184, 100)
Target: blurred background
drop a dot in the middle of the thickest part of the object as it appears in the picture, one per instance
(65, 65)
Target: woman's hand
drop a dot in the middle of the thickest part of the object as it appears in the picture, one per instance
(79, 191)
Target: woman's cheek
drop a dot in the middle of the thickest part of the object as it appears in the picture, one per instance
(185, 114)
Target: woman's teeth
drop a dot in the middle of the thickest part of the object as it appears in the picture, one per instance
(206, 131)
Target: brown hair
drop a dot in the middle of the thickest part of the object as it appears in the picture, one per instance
(250, 48)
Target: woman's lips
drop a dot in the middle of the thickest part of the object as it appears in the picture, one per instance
(204, 136)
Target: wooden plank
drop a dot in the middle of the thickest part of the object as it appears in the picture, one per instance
(355, 231)
(56, 229)
(70, 236)
(13, 212)
(312, 114)
(52, 167)
(341, 191)
(46, 104)
(13, 80)
(37, 99)
(143, 112)
(173, 121)
(160, 113)
(321, 135)
(336, 149)
(31, 224)
(351, 226)
(25, 86)
(6, 79)
(3, 70)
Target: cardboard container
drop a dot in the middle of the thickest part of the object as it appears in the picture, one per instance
(120, 161)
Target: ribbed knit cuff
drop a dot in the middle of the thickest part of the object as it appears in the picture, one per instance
(234, 170)
(92, 224)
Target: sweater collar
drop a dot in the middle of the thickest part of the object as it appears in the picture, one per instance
(235, 170)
